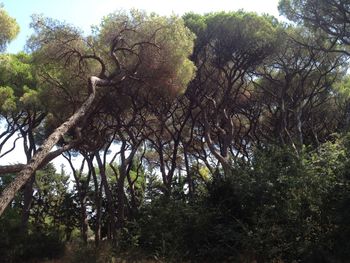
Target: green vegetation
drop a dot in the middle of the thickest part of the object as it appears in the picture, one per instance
(8, 28)
(208, 138)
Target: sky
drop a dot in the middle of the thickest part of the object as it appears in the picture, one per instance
(85, 13)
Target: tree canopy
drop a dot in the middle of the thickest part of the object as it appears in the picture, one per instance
(8, 28)
(220, 137)
(330, 16)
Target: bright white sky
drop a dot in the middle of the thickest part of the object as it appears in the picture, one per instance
(84, 13)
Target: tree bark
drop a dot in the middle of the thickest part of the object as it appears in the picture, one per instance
(15, 168)
(27, 203)
(25, 174)
(109, 197)
(29, 149)
(98, 198)
(81, 195)
(223, 160)
(188, 174)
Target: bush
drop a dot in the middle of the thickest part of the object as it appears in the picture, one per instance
(32, 247)
(279, 207)
(88, 253)
(39, 246)
(16, 246)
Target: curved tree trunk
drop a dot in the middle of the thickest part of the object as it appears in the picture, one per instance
(25, 174)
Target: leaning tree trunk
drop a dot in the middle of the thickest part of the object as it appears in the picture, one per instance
(16, 168)
(25, 174)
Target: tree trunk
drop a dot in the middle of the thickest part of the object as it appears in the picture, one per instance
(121, 197)
(29, 149)
(188, 174)
(83, 220)
(98, 199)
(298, 115)
(10, 191)
(15, 168)
(27, 203)
(81, 195)
(109, 197)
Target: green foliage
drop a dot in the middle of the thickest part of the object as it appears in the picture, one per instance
(30, 99)
(39, 246)
(17, 71)
(146, 56)
(51, 222)
(8, 28)
(331, 164)
(177, 218)
(232, 35)
(18, 86)
(274, 205)
(328, 18)
(160, 47)
(54, 206)
(7, 99)
(276, 208)
(16, 246)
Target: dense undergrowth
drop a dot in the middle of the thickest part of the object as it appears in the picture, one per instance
(279, 208)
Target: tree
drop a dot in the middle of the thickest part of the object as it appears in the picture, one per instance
(293, 91)
(8, 28)
(82, 189)
(128, 51)
(331, 16)
(21, 111)
(230, 47)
